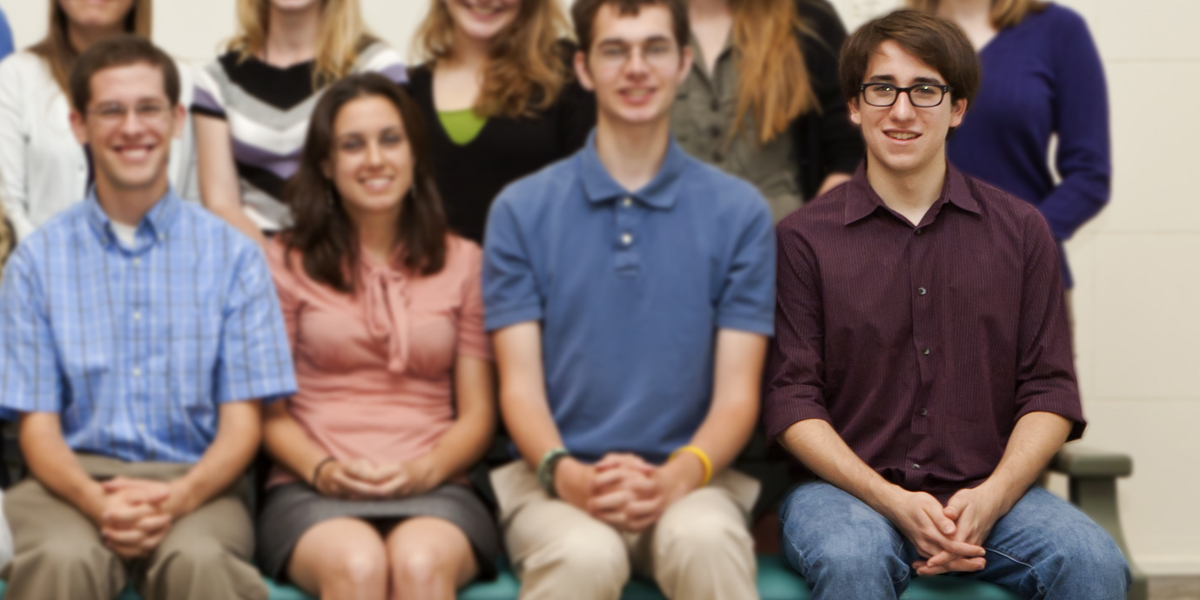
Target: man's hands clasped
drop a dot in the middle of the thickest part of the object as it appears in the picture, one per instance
(948, 538)
(625, 491)
(138, 514)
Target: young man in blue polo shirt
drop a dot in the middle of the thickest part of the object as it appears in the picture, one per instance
(629, 289)
(140, 334)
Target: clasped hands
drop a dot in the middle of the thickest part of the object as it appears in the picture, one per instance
(948, 538)
(360, 479)
(625, 491)
(138, 514)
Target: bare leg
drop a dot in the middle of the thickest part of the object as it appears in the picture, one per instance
(429, 559)
(341, 559)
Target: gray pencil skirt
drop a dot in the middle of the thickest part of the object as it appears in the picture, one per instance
(291, 509)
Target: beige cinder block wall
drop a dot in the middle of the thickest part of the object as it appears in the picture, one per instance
(1137, 266)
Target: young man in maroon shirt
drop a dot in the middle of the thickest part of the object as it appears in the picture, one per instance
(922, 370)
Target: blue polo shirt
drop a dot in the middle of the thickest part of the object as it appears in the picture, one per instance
(630, 289)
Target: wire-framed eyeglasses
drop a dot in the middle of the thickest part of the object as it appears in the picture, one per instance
(925, 95)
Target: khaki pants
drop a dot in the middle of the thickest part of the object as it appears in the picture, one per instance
(59, 555)
(700, 549)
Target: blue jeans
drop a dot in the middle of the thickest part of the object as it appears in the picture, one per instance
(1043, 548)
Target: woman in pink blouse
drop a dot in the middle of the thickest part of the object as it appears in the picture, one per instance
(384, 312)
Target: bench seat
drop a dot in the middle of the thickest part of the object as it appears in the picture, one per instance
(776, 581)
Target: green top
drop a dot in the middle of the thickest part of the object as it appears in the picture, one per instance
(461, 125)
(702, 117)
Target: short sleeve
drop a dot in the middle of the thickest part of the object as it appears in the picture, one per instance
(472, 339)
(747, 301)
(255, 362)
(208, 98)
(30, 375)
(510, 290)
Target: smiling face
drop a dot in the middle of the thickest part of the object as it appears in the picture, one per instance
(371, 163)
(102, 14)
(129, 125)
(901, 138)
(481, 20)
(634, 65)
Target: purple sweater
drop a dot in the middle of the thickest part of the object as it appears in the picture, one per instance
(1040, 78)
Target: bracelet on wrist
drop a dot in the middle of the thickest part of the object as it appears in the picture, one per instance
(699, 453)
(546, 469)
(317, 469)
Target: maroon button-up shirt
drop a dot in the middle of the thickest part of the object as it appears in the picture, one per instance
(922, 345)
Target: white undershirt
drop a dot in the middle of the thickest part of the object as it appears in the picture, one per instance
(126, 233)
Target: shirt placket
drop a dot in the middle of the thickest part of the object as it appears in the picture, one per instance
(921, 272)
(141, 342)
(628, 259)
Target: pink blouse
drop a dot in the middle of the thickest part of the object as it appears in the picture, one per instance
(375, 369)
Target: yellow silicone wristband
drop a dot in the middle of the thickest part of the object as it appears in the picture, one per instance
(704, 460)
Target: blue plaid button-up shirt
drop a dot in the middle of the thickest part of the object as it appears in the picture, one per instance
(137, 347)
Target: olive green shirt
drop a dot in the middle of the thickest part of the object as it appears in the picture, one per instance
(701, 119)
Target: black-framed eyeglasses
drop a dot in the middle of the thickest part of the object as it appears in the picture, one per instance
(926, 95)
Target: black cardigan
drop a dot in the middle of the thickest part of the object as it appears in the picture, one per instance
(826, 141)
(469, 177)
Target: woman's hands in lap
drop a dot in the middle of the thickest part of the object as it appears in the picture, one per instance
(360, 479)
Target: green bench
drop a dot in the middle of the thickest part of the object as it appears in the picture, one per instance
(776, 581)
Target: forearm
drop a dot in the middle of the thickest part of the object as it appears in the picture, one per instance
(1033, 442)
(819, 447)
(469, 437)
(289, 444)
(55, 465)
(238, 435)
(523, 402)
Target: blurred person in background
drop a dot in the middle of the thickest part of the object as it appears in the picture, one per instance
(6, 39)
(1042, 79)
(762, 101)
(43, 168)
(500, 98)
(396, 396)
(630, 294)
(141, 333)
(253, 103)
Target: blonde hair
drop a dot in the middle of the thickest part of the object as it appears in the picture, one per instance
(342, 38)
(1004, 13)
(527, 68)
(773, 81)
(60, 55)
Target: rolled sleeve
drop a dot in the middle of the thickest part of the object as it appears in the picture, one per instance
(748, 298)
(795, 372)
(1045, 369)
(30, 374)
(255, 360)
(510, 290)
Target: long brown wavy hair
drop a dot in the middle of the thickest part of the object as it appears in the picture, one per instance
(342, 38)
(773, 81)
(323, 231)
(527, 69)
(60, 55)
(1004, 13)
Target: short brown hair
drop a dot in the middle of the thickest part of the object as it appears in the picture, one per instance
(120, 51)
(583, 12)
(933, 40)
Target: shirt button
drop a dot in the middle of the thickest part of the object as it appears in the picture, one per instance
(137, 315)
(137, 372)
(136, 261)
(916, 467)
(921, 291)
(718, 157)
(714, 131)
(924, 411)
(627, 202)
(716, 104)
(926, 351)
(918, 231)
(626, 238)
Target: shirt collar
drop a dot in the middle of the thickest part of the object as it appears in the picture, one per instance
(153, 227)
(862, 200)
(660, 193)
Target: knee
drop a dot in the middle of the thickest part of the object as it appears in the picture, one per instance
(419, 566)
(702, 535)
(360, 568)
(593, 554)
(197, 556)
(1091, 557)
(70, 556)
